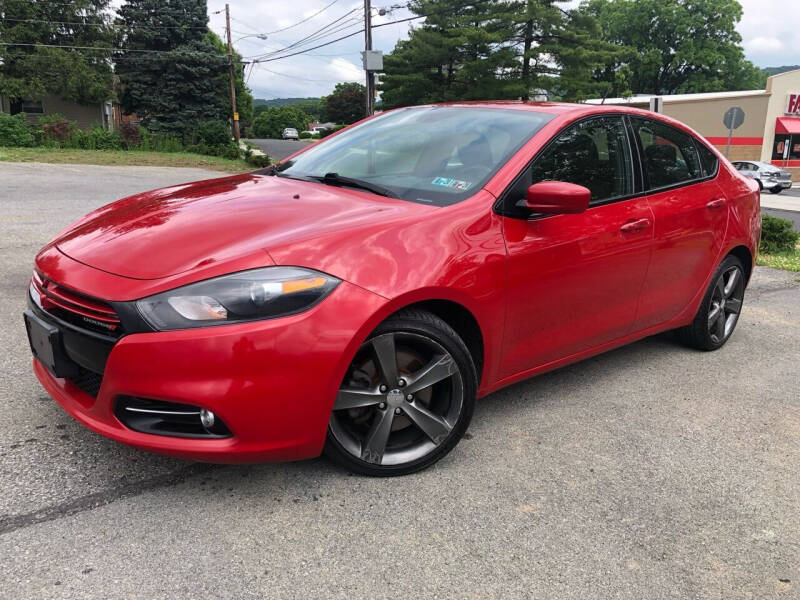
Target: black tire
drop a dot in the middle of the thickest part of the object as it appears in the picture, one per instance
(776, 190)
(760, 185)
(450, 399)
(705, 334)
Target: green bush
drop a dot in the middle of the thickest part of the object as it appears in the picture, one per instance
(95, 138)
(777, 235)
(212, 133)
(14, 131)
(304, 135)
(257, 160)
(229, 150)
(160, 142)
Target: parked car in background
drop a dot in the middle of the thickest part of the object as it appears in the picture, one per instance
(769, 177)
(290, 133)
(316, 131)
(359, 296)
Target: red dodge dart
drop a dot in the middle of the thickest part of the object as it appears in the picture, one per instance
(357, 297)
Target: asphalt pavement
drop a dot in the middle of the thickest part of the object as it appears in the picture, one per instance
(652, 472)
(279, 149)
(785, 205)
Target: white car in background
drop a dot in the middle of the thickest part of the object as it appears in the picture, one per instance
(290, 133)
(769, 177)
(316, 130)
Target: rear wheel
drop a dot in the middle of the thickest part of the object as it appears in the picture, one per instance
(719, 312)
(406, 400)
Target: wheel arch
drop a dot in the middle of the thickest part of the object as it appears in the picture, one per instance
(461, 319)
(743, 254)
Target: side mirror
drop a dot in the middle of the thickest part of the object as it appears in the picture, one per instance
(558, 197)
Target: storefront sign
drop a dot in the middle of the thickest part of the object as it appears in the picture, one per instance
(793, 104)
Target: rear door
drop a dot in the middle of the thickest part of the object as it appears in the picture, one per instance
(574, 280)
(691, 217)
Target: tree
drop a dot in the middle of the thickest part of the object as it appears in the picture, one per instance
(31, 72)
(172, 73)
(673, 46)
(270, 122)
(463, 51)
(496, 49)
(559, 50)
(345, 105)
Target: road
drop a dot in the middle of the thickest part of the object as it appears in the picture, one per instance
(649, 472)
(278, 149)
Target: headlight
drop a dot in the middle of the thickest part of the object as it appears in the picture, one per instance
(246, 296)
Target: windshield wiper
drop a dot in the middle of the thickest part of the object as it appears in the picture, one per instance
(338, 180)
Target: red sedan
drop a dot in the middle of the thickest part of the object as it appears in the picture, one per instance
(359, 296)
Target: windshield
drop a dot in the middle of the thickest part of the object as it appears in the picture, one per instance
(435, 155)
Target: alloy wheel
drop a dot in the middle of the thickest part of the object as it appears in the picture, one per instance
(400, 400)
(726, 304)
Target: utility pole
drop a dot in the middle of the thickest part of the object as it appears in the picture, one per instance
(231, 74)
(367, 48)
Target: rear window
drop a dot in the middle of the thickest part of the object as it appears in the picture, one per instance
(709, 160)
(670, 156)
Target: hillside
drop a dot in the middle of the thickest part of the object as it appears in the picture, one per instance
(281, 101)
(778, 70)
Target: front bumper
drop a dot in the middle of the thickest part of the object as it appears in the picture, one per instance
(272, 382)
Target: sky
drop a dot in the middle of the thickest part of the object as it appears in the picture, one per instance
(770, 30)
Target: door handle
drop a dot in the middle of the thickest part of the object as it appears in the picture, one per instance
(716, 203)
(635, 225)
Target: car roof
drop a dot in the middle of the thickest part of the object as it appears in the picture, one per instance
(556, 108)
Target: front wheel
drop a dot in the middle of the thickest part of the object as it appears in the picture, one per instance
(406, 400)
(719, 312)
(776, 190)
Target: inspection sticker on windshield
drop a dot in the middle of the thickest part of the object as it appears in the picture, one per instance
(452, 183)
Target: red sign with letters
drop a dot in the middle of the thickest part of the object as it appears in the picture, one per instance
(793, 104)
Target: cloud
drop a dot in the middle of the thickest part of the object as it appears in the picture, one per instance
(763, 45)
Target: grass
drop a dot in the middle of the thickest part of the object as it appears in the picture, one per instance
(788, 261)
(122, 157)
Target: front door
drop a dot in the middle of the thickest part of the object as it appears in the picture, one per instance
(574, 280)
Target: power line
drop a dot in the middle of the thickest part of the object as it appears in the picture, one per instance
(299, 78)
(344, 37)
(109, 25)
(106, 49)
(334, 26)
(320, 11)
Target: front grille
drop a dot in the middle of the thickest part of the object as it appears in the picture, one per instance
(76, 308)
(88, 381)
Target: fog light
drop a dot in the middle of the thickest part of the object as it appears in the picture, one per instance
(207, 418)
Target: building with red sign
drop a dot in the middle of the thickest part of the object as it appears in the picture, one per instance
(770, 131)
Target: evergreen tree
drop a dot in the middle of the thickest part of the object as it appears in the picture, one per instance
(172, 73)
(463, 51)
(31, 72)
(497, 49)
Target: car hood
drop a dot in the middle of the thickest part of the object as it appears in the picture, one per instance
(174, 230)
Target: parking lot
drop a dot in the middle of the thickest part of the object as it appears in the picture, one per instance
(649, 472)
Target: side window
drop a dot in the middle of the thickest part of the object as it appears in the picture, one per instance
(710, 161)
(669, 155)
(594, 154)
